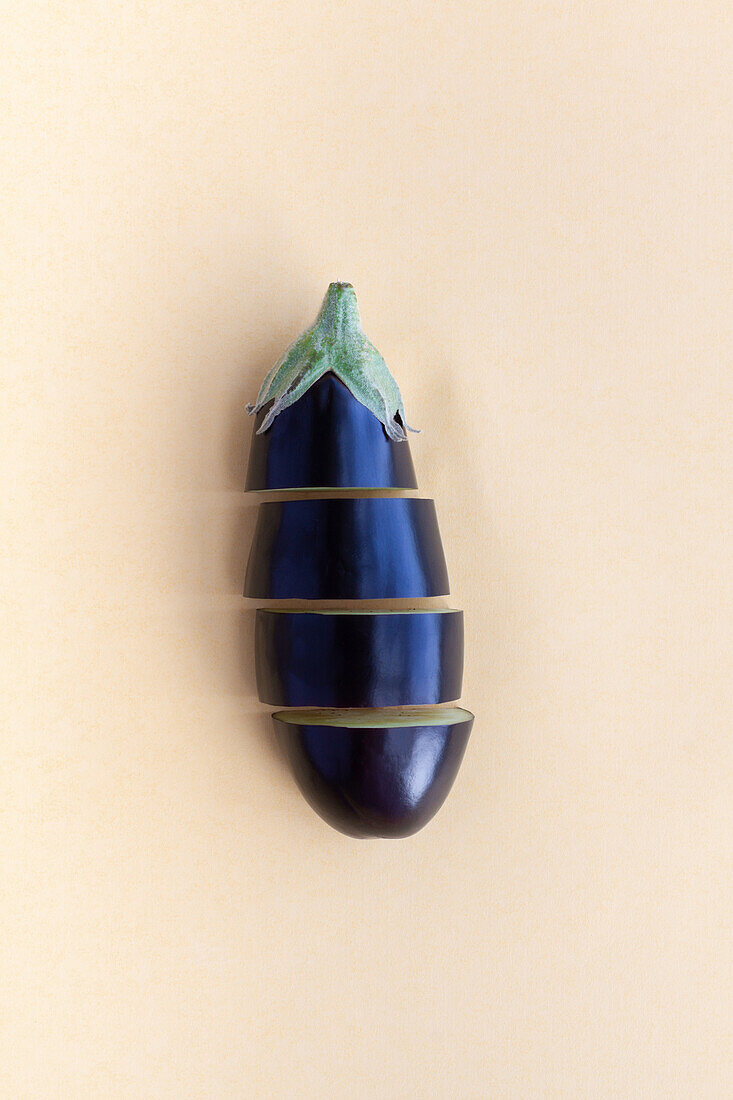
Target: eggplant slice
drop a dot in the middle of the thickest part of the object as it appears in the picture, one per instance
(362, 548)
(358, 659)
(375, 773)
(328, 440)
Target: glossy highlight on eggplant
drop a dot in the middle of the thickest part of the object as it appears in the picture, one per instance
(358, 659)
(366, 548)
(375, 774)
(327, 439)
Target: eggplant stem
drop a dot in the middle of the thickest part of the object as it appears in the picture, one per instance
(335, 342)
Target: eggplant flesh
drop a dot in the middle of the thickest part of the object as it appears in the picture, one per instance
(384, 779)
(358, 659)
(363, 548)
(327, 439)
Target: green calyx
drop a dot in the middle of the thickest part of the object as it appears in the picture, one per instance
(335, 342)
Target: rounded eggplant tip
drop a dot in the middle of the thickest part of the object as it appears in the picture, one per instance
(380, 782)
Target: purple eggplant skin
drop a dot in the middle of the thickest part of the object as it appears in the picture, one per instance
(375, 782)
(360, 548)
(327, 440)
(323, 659)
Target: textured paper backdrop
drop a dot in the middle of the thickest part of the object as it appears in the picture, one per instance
(532, 201)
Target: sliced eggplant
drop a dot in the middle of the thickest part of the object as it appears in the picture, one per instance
(375, 773)
(330, 415)
(366, 548)
(358, 659)
(328, 440)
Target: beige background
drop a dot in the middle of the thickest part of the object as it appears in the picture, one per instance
(532, 202)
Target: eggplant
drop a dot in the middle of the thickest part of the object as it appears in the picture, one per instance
(374, 755)
(375, 773)
(329, 440)
(358, 659)
(363, 548)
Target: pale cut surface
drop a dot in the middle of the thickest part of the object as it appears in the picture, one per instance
(354, 611)
(376, 718)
